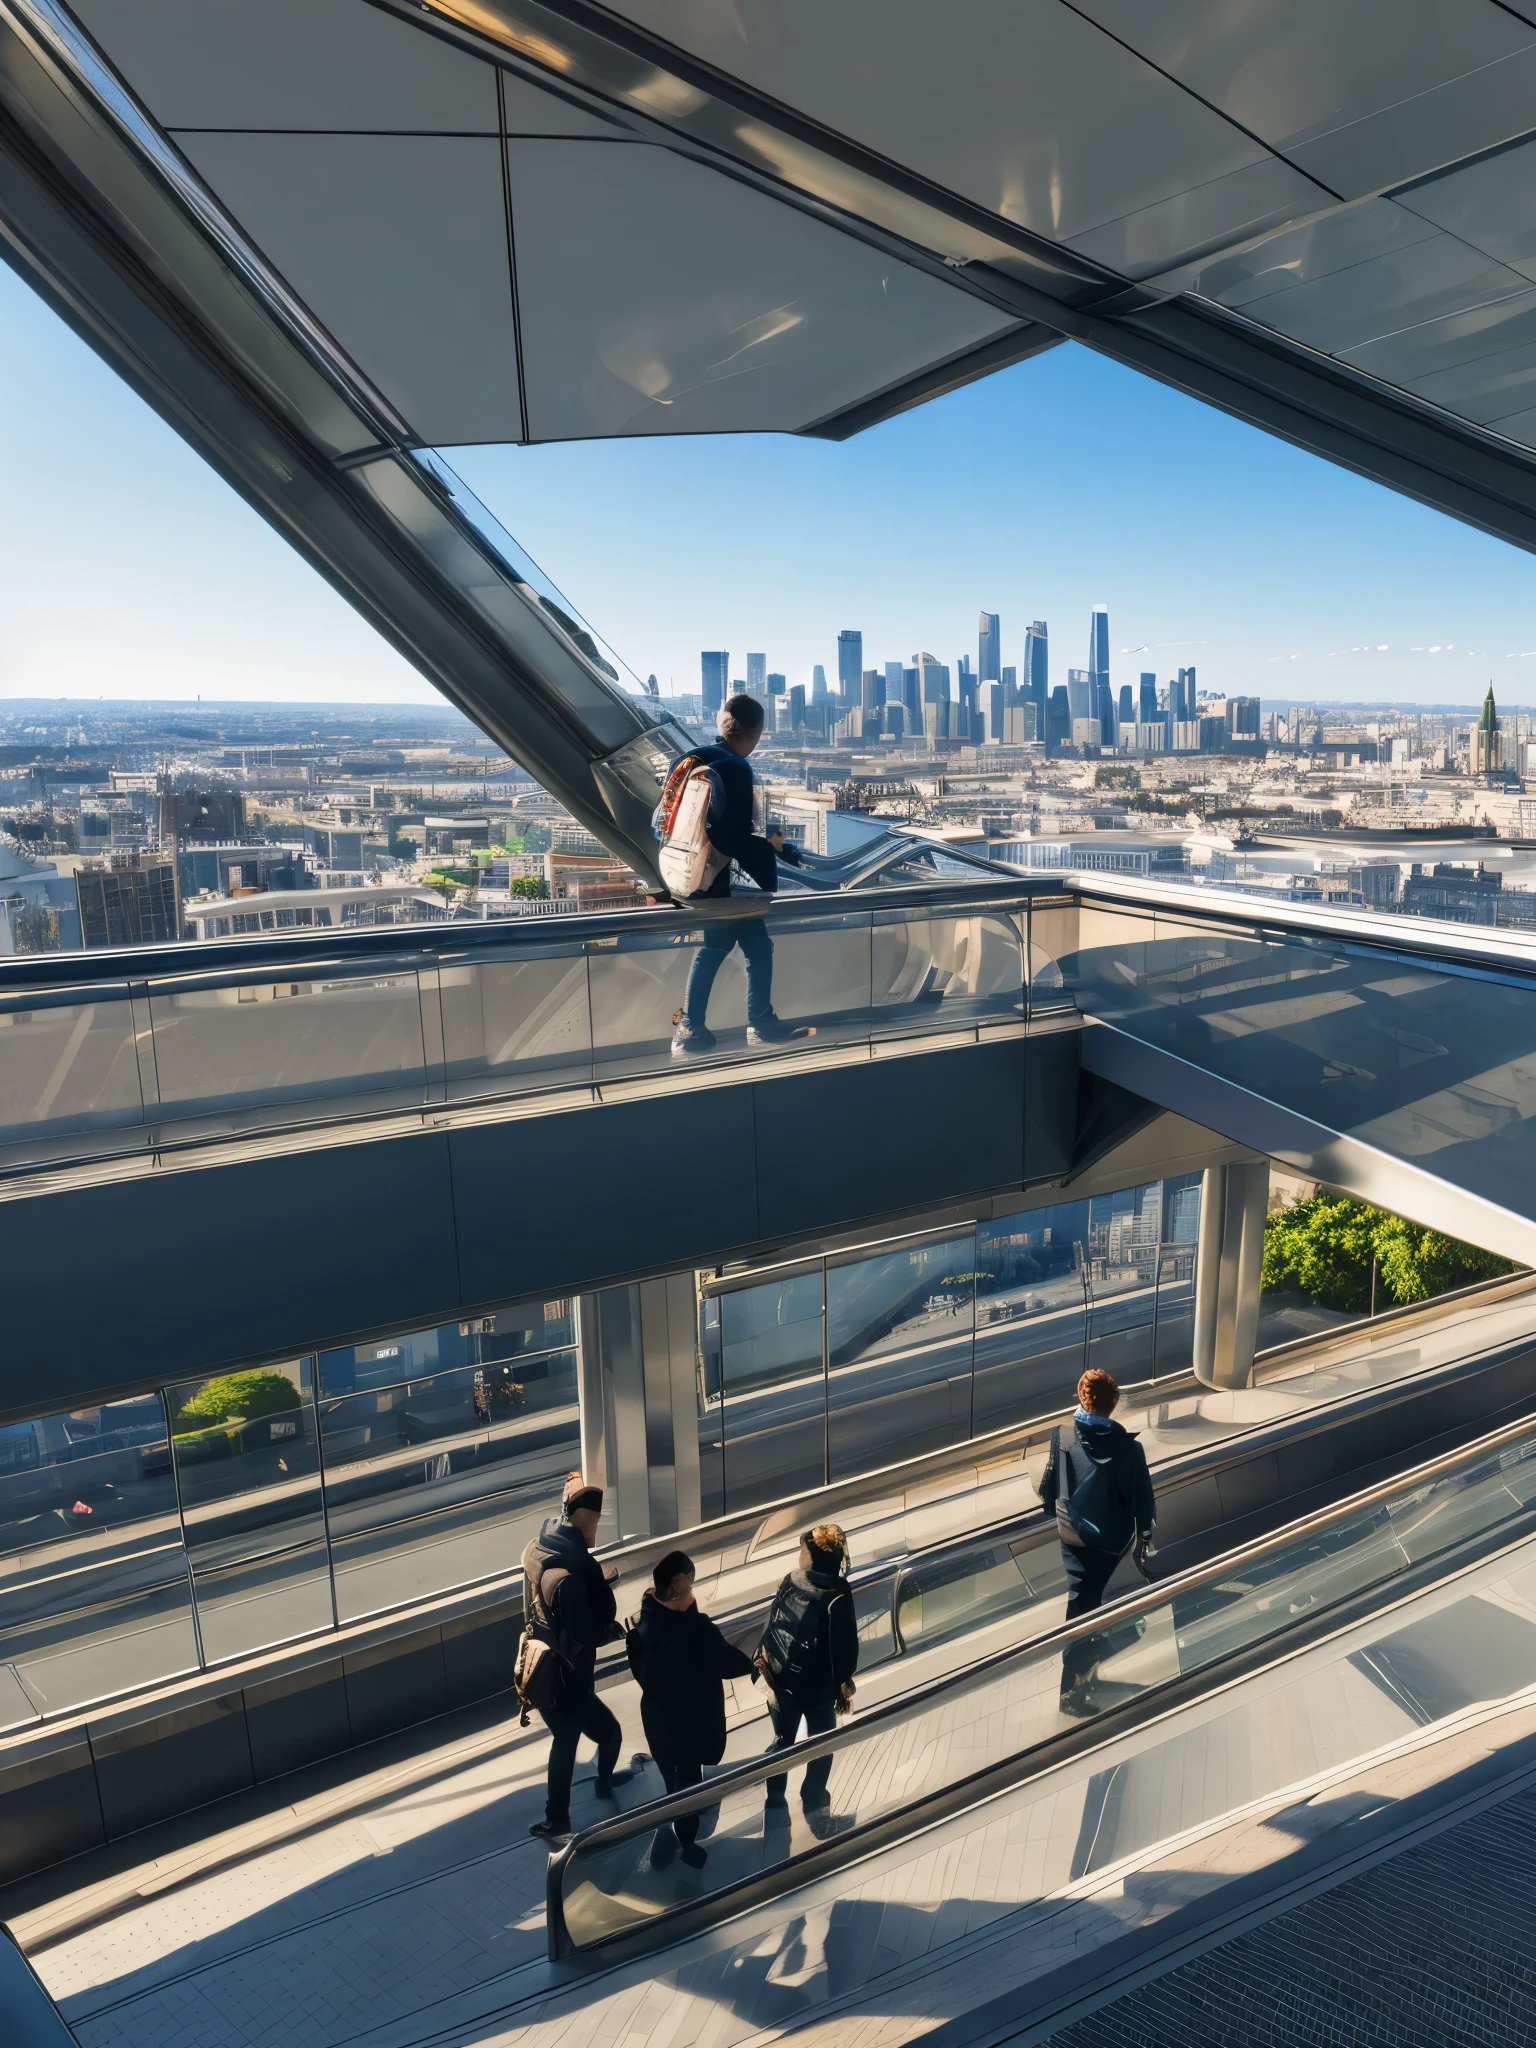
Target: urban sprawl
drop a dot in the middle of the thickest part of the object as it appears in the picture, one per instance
(127, 822)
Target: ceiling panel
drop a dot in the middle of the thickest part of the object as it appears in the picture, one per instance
(1416, 353)
(1209, 216)
(532, 112)
(1386, 294)
(1486, 389)
(658, 297)
(1294, 70)
(1316, 248)
(1472, 113)
(398, 244)
(1520, 427)
(1021, 105)
(1491, 203)
(329, 64)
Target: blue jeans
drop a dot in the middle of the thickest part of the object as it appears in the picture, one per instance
(751, 934)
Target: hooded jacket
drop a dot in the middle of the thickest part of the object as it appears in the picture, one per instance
(1100, 1443)
(730, 823)
(569, 1580)
(681, 1662)
(811, 1642)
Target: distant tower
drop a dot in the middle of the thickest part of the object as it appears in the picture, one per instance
(1036, 680)
(716, 673)
(757, 674)
(819, 690)
(1103, 703)
(1487, 746)
(850, 665)
(989, 648)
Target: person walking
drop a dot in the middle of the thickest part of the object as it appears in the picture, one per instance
(731, 829)
(809, 1653)
(681, 1662)
(567, 1597)
(1098, 1487)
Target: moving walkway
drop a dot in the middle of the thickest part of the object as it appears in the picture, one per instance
(989, 1730)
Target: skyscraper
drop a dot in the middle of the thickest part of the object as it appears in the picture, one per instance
(819, 690)
(894, 692)
(1103, 706)
(757, 674)
(989, 648)
(1184, 700)
(717, 673)
(1036, 681)
(1487, 748)
(850, 665)
(1147, 712)
(1127, 711)
(997, 713)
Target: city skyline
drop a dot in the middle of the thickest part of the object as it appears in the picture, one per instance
(1276, 573)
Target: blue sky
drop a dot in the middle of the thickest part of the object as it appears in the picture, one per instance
(128, 569)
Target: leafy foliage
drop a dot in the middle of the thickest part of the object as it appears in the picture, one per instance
(37, 929)
(1323, 1248)
(241, 1397)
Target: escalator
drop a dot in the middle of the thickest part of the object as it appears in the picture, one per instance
(986, 1731)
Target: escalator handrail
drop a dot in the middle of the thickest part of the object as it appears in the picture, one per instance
(655, 1813)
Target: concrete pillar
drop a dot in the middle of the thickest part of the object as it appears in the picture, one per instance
(1234, 1202)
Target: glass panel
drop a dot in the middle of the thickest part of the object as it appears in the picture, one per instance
(960, 969)
(956, 1594)
(997, 1713)
(517, 1021)
(67, 1068)
(899, 1331)
(443, 1479)
(775, 1390)
(711, 1413)
(506, 1333)
(233, 1053)
(1124, 1233)
(1053, 943)
(1031, 1313)
(93, 1578)
(1174, 1352)
(248, 1470)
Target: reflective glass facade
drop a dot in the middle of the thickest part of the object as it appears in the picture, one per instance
(147, 1538)
(873, 1357)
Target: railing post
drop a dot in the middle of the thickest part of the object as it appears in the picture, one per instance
(1234, 1201)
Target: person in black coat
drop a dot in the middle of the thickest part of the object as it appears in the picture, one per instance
(1099, 1489)
(681, 1662)
(809, 1653)
(565, 1581)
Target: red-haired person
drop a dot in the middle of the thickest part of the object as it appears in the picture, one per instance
(1098, 1487)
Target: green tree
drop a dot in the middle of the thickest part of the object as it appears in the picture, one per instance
(1323, 1248)
(241, 1397)
(526, 885)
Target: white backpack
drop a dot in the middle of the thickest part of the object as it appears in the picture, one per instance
(688, 862)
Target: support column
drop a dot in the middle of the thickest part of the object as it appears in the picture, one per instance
(1234, 1202)
(639, 1404)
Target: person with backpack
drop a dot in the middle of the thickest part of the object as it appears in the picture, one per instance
(681, 1662)
(808, 1655)
(569, 1612)
(1098, 1487)
(706, 821)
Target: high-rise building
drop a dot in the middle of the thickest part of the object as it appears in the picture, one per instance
(1079, 694)
(872, 689)
(716, 677)
(895, 692)
(776, 684)
(1103, 707)
(1058, 720)
(1243, 718)
(1487, 749)
(933, 683)
(757, 674)
(989, 648)
(1126, 715)
(1183, 706)
(850, 664)
(819, 690)
(997, 713)
(796, 707)
(1147, 711)
(130, 902)
(1036, 680)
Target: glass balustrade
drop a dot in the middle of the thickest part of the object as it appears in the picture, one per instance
(981, 1727)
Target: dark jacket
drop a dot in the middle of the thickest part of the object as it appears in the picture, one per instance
(681, 1662)
(729, 824)
(1102, 1443)
(578, 1598)
(813, 1610)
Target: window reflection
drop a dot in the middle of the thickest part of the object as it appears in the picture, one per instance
(95, 1598)
(1031, 1312)
(440, 1478)
(899, 1329)
(248, 1470)
(774, 1390)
